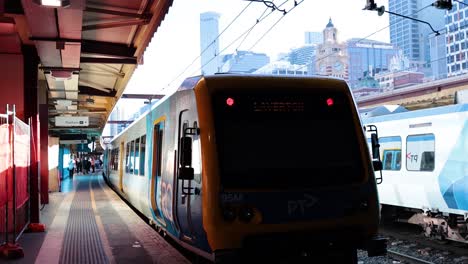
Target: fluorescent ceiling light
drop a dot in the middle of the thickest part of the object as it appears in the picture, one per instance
(64, 102)
(53, 3)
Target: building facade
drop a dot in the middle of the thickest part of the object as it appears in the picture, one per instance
(414, 37)
(283, 68)
(302, 55)
(331, 56)
(394, 80)
(366, 58)
(457, 39)
(244, 62)
(209, 42)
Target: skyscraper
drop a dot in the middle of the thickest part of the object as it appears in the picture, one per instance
(411, 36)
(313, 38)
(457, 39)
(405, 32)
(244, 62)
(209, 44)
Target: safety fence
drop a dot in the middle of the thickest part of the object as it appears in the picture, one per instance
(14, 176)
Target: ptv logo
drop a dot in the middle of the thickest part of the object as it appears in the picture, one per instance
(412, 157)
(302, 205)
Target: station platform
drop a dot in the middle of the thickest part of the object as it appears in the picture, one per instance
(89, 223)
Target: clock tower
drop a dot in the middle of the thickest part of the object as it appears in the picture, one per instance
(332, 57)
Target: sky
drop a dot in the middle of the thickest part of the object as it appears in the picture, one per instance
(176, 44)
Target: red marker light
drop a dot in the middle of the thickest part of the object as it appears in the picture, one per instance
(230, 101)
(330, 102)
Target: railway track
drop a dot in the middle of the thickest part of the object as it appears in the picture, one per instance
(406, 258)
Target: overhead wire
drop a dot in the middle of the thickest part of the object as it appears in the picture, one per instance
(240, 36)
(214, 41)
(460, 2)
(258, 19)
(251, 29)
(276, 23)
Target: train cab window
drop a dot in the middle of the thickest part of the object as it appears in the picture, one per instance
(142, 154)
(136, 161)
(420, 152)
(302, 124)
(196, 159)
(127, 158)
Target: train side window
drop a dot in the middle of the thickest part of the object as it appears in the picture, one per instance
(420, 152)
(111, 159)
(387, 160)
(142, 154)
(157, 149)
(136, 161)
(390, 148)
(127, 158)
(397, 163)
(131, 164)
(427, 161)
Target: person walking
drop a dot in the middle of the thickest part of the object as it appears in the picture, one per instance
(71, 166)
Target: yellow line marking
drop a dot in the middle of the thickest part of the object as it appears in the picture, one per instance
(56, 232)
(102, 232)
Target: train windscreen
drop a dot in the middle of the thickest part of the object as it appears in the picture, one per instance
(286, 141)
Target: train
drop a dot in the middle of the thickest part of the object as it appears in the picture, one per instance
(424, 157)
(233, 166)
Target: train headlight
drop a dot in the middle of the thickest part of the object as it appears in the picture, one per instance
(229, 214)
(246, 214)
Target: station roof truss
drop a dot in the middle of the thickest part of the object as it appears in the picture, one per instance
(88, 51)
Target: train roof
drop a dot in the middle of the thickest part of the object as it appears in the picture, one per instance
(381, 110)
(190, 83)
(418, 113)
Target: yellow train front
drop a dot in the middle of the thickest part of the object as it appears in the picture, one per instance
(241, 165)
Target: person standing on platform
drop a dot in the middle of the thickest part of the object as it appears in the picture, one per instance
(78, 164)
(92, 163)
(71, 166)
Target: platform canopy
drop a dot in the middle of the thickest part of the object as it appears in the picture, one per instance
(88, 51)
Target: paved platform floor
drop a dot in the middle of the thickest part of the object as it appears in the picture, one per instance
(88, 223)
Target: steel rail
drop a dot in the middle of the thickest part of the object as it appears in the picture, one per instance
(408, 259)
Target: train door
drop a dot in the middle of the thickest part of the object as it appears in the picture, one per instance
(120, 167)
(156, 176)
(188, 196)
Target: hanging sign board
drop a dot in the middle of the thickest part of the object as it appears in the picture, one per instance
(71, 121)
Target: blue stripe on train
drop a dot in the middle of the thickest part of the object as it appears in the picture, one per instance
(389, 139)
(426, 137)
(453, 178)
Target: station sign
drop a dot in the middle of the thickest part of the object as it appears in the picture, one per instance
(72, 121)
(73, 141)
